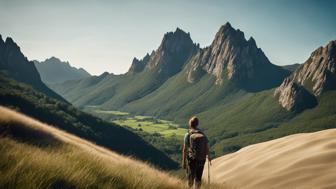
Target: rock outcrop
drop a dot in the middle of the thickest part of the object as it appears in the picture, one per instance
(318, 73)
(294, 97)
(231, 57)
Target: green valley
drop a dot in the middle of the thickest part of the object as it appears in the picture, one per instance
(146, 124)
(163, 134)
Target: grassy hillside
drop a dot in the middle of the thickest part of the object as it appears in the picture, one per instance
(35, 155)
(62, 115)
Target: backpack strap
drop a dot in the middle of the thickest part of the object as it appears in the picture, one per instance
(192, 131)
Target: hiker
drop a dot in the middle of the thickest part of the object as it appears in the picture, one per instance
(195, 151)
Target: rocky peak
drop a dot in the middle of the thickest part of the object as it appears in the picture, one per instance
(230, 57)
(294, 97)
(2, 46)
(175, 49)
(228, 33)
(14, 62)
(252, 42)
(138, 65)
(1, 41)
(175, 41)
(11, 45)
(17, 66)
(52, 60)
(318, 73)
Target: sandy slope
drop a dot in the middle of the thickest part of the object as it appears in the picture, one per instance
(298, 161)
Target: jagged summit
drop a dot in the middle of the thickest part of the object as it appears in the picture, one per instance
(138, 65)
(9, 40)
(318, 73)
(175, 41)
(252, 41)
(227, 30)
(174, 51)
(230, 57)
(226, 26)
(9, 43)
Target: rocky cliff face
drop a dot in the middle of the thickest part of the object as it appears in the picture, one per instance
(318, 73)
(294, 97)
(231, 57)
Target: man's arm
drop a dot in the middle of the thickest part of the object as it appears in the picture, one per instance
(184, 156)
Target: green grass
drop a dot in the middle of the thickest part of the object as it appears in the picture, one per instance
(162, 127)
(164, 135)
(118, 113)
(147, 124)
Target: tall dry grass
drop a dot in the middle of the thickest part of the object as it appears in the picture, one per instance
(35, 155)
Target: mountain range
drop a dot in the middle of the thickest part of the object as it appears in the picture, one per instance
(14, 64)
(53, 70)
(239, 95)
(22, 89)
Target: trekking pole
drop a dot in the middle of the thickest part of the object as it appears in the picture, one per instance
(208, 171)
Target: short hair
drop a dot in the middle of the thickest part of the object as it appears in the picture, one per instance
(193, 122)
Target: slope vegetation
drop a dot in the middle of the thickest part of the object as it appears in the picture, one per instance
(35, 155)
(296, 161)
(62, 115)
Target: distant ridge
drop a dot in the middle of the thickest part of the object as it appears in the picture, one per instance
(53, 70)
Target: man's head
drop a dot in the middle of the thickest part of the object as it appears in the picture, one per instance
(193, 122)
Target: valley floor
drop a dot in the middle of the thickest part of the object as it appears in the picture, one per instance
(165, 135)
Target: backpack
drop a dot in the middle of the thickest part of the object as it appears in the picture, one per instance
(197, 145)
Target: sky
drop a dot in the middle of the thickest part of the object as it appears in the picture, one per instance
(106, 35)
